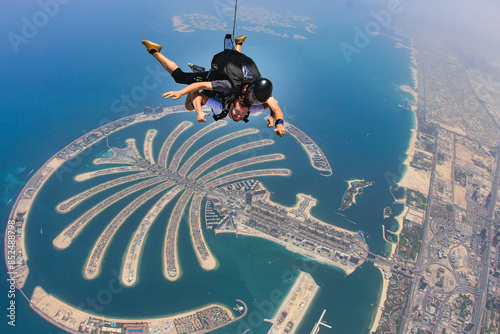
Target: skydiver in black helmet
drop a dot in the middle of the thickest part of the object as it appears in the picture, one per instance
(234, 80)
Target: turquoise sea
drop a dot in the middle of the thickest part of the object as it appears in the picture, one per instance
(75, 74)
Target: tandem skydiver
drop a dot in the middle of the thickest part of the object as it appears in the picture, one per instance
(234, 80)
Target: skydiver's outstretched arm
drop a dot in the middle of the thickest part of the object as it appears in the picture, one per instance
(199, 99)
(276, 114)
(194, 87)
(270, 119)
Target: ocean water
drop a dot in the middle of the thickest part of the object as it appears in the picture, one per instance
(66, 80)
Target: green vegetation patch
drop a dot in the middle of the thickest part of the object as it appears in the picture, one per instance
(410, 240)
(416, 199)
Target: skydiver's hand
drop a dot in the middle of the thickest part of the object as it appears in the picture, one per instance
(175, 94)
(280, 130)
(270, 119)
(201, 116)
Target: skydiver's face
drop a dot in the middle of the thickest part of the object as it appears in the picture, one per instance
(238, 111)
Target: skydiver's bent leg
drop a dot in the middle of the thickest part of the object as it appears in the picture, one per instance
(167, 64)
(154, 49)
(188, 78)
(172, 68)
(189, 102)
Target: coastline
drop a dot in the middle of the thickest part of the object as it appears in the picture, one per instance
(405, 182)
(406, 176)
(21, 272)
(294, 249)
(383, 297)
(399, 218)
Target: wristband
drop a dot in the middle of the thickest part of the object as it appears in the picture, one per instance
(278, 121)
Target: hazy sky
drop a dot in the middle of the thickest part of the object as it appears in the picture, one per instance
(471, 24)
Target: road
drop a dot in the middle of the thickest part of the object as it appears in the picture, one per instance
(480, 303)
(423, 247)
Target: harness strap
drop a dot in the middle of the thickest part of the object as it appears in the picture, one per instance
(245, 119)
(226, 104)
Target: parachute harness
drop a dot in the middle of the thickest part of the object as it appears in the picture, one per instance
(229, 100)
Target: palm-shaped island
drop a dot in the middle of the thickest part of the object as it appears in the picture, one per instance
(235, 202)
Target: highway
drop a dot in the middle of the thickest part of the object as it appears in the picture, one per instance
(480, 303)
(423, 247)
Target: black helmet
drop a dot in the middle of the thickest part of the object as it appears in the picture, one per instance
(259, 91)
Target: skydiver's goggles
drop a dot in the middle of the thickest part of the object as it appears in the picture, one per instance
(250, 98)
(240, 112)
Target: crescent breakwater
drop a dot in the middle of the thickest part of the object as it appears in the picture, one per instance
(72, 320)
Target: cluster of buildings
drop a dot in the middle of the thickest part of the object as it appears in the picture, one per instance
(246, 208)
(454, 286)
(208, 318)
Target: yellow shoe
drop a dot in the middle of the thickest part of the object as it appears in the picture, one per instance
(151, 46)
(240, 39)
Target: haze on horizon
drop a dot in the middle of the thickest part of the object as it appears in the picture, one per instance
(468, 26)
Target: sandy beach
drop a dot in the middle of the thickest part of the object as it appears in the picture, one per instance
(383, 297)
(41, 176)
(131, 146)
(23, 205)
(410, 179)
(107, 171)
